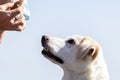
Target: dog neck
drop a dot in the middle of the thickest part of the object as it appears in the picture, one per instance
(71, 75)
(98, 72)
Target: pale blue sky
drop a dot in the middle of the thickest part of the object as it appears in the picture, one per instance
(20, 52)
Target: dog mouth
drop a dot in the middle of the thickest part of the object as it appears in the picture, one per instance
(47, 53)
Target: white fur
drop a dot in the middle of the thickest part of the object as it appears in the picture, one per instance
(79, 62)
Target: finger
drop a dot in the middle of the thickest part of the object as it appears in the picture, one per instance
(21, 17)
(17, 11)
(17, 4)
(19, 25)
(7, 6)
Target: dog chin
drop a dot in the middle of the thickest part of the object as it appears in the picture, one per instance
(50, 55)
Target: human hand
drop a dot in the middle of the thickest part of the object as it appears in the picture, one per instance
(8, 20)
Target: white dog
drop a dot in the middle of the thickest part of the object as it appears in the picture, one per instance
(81, 58)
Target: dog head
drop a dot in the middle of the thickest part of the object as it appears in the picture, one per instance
(71, 52)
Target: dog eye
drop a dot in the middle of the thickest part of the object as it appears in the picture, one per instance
(71, 41)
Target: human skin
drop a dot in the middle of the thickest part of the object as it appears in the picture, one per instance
(2, 32)
(8, 21)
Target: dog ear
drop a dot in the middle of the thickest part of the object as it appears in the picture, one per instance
(90, 51)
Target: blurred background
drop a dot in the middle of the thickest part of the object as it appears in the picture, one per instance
(20, 52)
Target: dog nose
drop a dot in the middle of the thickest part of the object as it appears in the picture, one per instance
(44, 40)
